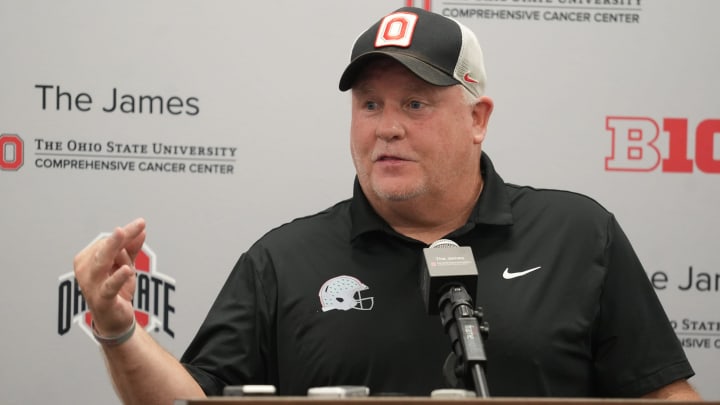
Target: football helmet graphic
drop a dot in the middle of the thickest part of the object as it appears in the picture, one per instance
(344, 293)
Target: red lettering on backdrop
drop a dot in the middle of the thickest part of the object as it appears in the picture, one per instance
(426, 4)
(633, 144)
(637, 145)
(707, 134)
(677, 160)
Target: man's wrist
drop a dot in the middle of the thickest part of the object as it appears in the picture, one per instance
(113, 340)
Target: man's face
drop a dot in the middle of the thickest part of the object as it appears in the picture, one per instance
(410, 138)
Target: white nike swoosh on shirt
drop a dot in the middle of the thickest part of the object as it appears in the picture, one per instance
(507, 275)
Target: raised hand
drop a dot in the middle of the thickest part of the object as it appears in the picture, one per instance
(106, 273)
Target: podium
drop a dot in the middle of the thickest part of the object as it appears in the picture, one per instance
(280, 400)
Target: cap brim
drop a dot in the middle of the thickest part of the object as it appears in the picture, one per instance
(420, 68)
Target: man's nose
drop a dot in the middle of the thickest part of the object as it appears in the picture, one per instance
(389, 126)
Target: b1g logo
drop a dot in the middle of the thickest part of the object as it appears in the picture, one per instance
(152, 297)
(11, 152)
(638, 145)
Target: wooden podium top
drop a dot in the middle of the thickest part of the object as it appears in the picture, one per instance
(280, 400)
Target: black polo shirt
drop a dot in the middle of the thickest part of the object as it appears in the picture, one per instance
(334, 299)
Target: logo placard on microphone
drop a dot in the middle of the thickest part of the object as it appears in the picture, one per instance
(446, 266)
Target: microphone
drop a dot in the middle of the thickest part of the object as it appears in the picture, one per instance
(446, 265)
(448, 284)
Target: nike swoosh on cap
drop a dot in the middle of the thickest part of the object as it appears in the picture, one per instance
(469, 78)
(507, 275)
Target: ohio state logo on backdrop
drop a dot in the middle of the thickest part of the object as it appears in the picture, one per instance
(426, 4)
(151, 301)
(642, 144)
(11, 152)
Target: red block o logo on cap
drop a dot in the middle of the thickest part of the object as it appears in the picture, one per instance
(396, 30)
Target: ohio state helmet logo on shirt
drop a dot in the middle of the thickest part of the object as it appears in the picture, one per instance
(344, 293)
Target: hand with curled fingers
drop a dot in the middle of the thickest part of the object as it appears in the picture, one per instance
(105, 271)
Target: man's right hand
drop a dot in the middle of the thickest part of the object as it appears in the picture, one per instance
(105, 271)
(142, 371)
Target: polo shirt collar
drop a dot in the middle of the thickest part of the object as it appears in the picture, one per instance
(492, 208)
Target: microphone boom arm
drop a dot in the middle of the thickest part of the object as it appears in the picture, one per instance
(467, 330)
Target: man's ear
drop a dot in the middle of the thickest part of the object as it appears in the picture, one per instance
(481, 116)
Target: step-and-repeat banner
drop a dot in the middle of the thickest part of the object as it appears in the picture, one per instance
(217, 121)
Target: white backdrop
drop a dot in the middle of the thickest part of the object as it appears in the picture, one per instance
(254, 84)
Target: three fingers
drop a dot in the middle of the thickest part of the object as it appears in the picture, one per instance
(108, 263)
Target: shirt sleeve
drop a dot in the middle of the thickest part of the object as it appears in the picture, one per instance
(636, 350)
(233, 345)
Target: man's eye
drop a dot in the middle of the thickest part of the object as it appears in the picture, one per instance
(371, 106)
(415, 105)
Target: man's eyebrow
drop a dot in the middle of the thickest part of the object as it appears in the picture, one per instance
(361, 90)
(363, 87)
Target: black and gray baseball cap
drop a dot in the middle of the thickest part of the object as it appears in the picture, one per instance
(438, 49)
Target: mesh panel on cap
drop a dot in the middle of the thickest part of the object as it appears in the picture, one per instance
(470, 61)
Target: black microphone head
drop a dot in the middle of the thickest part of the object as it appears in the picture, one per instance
(445, 264)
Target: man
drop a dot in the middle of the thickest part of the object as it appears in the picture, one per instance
(333, 298)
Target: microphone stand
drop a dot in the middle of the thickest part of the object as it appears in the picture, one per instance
(467, 330)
